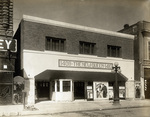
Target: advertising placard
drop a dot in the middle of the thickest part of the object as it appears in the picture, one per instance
(89, 93)
(101, 89)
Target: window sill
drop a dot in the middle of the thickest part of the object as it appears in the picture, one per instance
(114, 57)
(87, 55)
(55, 52)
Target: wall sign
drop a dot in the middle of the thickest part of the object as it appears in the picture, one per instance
(84, 64)
(8, 44)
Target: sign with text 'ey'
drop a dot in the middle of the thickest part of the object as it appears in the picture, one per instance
(8, 44)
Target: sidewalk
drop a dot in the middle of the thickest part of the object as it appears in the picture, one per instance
(50, 107)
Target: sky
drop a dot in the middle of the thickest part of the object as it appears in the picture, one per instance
(103, 14)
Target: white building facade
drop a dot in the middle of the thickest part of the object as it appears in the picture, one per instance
(66, 62)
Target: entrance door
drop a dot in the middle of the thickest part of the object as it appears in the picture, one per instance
(43, 90)
(147, 88)
(79, 90)
(147, 82)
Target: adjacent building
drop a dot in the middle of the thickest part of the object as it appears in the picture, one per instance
(7, 52)
(66, 62)
(141, 30)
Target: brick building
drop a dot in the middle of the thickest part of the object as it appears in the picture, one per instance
(141, 30)
(66, 62)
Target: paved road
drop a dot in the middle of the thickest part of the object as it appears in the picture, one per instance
(130, 112)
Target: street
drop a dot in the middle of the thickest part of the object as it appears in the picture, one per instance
(128, 112)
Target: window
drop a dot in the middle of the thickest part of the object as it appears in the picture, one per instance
(66, 86)
(55, 44)
(87, 48)
(113, 51)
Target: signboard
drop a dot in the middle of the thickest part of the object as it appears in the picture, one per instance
(5, 94)
(111, 92)
(138, 89)
(8, 44)
(89, 93)
(84, 64)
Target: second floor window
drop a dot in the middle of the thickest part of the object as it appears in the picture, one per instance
(113, 51)
(87, 48)
(55, 44)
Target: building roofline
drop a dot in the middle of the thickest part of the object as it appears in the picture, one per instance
(74, 26)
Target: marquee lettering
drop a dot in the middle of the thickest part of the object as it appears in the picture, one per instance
(84, 64)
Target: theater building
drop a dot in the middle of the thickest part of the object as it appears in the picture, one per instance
(141, 30)
(66, 62)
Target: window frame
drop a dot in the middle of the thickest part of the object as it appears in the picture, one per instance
(87, 48)
(55, 44)
(114, 51)
(67, 88)
(148, 48)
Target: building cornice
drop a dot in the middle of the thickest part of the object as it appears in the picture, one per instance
(74, 26)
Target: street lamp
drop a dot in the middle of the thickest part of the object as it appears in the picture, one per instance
(116, 68)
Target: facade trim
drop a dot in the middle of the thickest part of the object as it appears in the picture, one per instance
(74, 26)
(78, 55)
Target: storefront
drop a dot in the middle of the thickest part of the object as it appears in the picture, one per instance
(7, 69)
(66, 85)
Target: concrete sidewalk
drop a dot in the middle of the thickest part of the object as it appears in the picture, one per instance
(50, 107)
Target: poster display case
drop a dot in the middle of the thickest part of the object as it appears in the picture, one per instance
(121, 92)
(90, 93)
(101, 90)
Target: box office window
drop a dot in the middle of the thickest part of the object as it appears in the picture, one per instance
(113, 51)
(66, 86)
(87, 48)
(55, 44)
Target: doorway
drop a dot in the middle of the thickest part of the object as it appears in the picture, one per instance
(147, 83)
(147, 88)
(43, 90)
(79, 90)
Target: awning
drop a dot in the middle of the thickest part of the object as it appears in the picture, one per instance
(79, 76)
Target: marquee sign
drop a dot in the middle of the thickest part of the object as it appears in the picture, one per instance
(8, 44)
(84, 64)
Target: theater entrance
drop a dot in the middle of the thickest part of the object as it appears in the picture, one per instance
(42, 89)
(79, 90)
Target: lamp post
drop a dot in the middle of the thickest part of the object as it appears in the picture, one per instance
(116, 68)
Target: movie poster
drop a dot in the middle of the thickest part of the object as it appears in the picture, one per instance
(101, 89)
(121, 92)
(137, 90)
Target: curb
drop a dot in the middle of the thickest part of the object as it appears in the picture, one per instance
(38, 112)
